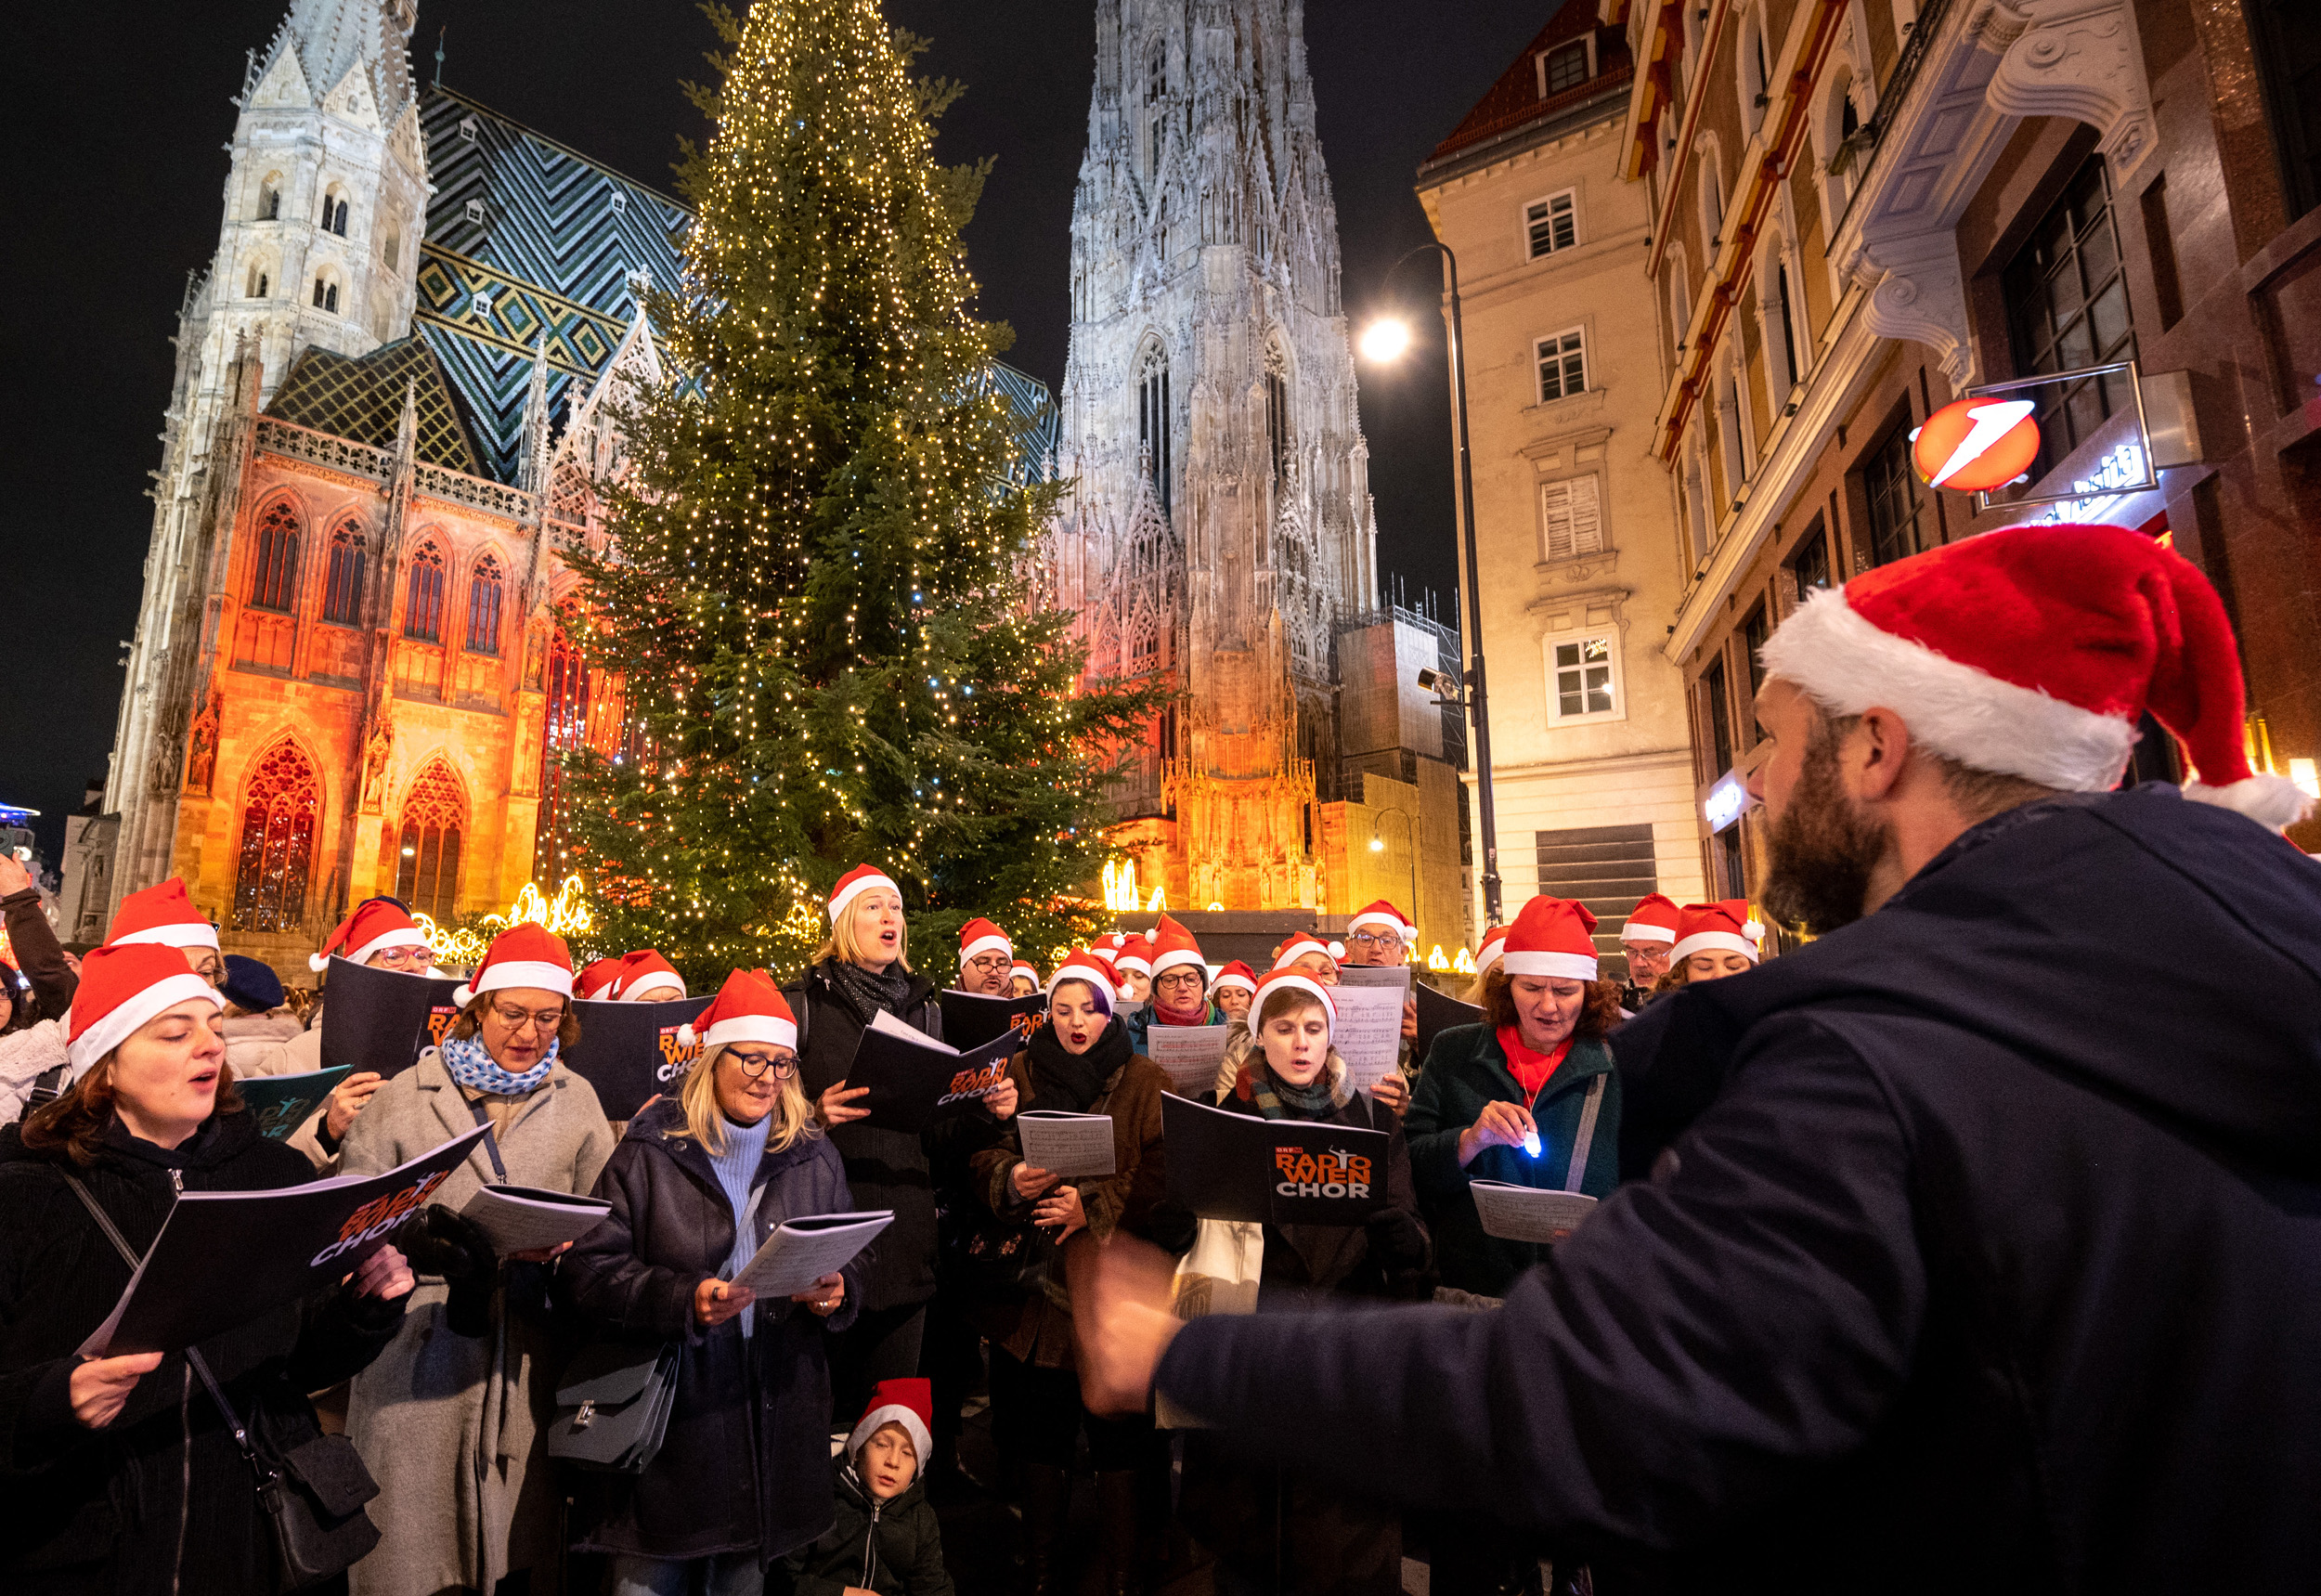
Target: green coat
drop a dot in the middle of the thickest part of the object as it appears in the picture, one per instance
(1465, 1070)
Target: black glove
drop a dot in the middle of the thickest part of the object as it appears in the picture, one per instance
(1397, 1239)
(447, 1245)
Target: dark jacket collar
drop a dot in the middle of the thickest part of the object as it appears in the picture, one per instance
(661, 1129)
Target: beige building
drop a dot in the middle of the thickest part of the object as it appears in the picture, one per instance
(1575, 523)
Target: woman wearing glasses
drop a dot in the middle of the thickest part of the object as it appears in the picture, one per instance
(451, 1416)
(696, 1186)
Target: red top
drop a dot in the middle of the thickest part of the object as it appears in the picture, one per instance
(1531, 1070)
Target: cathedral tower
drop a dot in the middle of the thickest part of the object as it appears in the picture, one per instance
(325, 201)
(1221, 529)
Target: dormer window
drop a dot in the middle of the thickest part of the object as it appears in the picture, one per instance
(1562, 68)
(476, 211)
(467, 128)
(620, 203)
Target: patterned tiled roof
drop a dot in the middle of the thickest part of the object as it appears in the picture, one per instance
(360, 397)
(1514, 101)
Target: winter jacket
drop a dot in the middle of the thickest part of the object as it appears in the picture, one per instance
(161, 1500)
(886, 1168)
(894, 1548)
(25, 1057)
(453, 1424)
(38, 955)
(745, 1464)
(1985, 1253)
(1465, 1070)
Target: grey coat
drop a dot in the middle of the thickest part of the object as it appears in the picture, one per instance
(451, 1425)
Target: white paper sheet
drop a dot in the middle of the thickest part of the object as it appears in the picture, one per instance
(887, 1022)
(1527, 1213)
(1073, 1145)
(520, 1218)
(1368, 1033)
(802, 1250)
(1188, 1056)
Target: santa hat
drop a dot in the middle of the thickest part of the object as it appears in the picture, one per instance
(1024, 967)
(855, 882)
(2033, 652)
(979, 937)
(1386, 917)
(1173, 945)
(1552, 936)
(1283, 978)
(1306, 943)
(748, 1007)
(646, 971)
(1102, 954)
(1235, 974)
(161, 914)
(1111, 943)
(1722, 927)
(1135, 953)
(910, 1403)
(1652, 920)
(1081, 964)
(1494, 945)
(376, 925)
(526, 955)
(122, 985)
(598, 980)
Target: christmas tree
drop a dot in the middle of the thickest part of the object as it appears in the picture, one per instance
(816, 584)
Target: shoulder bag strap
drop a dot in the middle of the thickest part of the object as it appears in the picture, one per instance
(217, 1395)
(46, 1087)
(491, 1142)
(1580, 1143)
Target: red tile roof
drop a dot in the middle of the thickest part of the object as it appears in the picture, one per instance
(1514, 100)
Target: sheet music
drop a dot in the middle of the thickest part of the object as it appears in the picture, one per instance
(523, 1218)
(1527, 1213)
(1189, 1056)
(802, 1250)
(1368, 1032)
(1073, 1145)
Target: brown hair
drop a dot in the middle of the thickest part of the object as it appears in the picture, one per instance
(1288, 1000)
(74, 1124)
(1680, 971)
(1598, 1014)
(471, 1020)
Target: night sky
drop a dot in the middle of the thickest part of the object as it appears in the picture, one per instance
(123, 110)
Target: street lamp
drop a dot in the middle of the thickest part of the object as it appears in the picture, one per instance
(1384, 341)
(1410, 833)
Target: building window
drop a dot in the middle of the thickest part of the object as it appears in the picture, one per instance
(1563, 67)
(620, 203)
(1754, 77)
(427, 862)
(2067, 303)
(334, 214)
(342, 587)
(1562, 367)
(1712, 202)
(1571, 518)
(275, 859)
(1551, 225)
(1781, 310)
(270, 202)
(2287, 38)
(1898, 515)
(476, 211)
(1810, 563)
(1609, 868)
(567, 717)
(260, 284)
(1278, 410)
(274, 573)
(467, 128)
(422, 615)
(1152, 420)
(391, 247)
(1586, 671)
(1754, 631)
(1719, 716)
(483, 607)
(325, 296)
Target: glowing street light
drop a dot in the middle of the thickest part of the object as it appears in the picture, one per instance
(1385, 339)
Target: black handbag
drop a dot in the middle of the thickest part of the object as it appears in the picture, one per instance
(313, 1491)
(613, 1407)
(985, 1258)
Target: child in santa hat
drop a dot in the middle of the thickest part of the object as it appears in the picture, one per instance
(886, 1540)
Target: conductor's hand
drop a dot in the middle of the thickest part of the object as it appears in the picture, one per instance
(1120, 1320)
(100, 1387)
(832, 1108)
(347, 1099)
(717, 1300)
(1501, 1124)
(386, 1275)
(1031, 1180)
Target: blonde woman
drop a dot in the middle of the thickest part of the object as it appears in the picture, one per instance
(696, 1186)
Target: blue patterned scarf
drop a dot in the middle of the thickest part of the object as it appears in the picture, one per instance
(473, 1068)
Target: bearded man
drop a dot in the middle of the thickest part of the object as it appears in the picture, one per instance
(1978, 1242)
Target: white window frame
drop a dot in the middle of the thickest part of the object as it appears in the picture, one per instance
(474, 212)
(1571, 198)
(1609, 635)
(1539, 62)
(1579, 501)
(1539, 358)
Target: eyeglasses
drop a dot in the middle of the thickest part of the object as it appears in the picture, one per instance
(755, 1065)
(404, 958)
(1384, 942)
(985, 964)
(519, 1019)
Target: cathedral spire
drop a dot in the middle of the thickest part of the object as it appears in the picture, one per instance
(334, 37)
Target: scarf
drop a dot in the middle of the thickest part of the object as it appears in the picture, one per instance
(1531, 1070)
(1062, 1080)
(865, 991)
(1196, 1015)
(1276, 1099)
(472, 1067)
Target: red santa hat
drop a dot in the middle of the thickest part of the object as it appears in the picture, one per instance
(122, 985)
(598, 979)
(376, 925)
(855, 882)
(1652, 920)
(1306, 943)
(165, 915)
(1283, 978)
(1173, 945)
(748, 1007)
(910, 1403)
(1385, 916)
(1135, 953)
(525, 955)
(1494, 946)
(2033, 652)
(1103, 953)
(1081, 964)
(645, 972)
(1023, 966)
(979, 937)
(1235, 974)
(1721, 927)
(1552, 936)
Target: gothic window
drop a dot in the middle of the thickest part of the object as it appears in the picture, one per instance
(390, 247)
(270, 200)
(1155, 90)
(1152, 419)
(427, 863)
(422, 614)
(1563, 366)
(342, 584)
(1712, 202)
(334, 214)
(259, 283)
(483, 607)
(567, 730)
(1552, 225)
(274, 573)
(1780, 310)
(1277, 410)
(325, 296)
(1755, 79)
(279, 819)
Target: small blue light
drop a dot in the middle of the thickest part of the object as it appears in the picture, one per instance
(1531, 1144)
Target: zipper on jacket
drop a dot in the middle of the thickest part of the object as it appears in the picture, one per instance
(185, 1491)
(870, 1541)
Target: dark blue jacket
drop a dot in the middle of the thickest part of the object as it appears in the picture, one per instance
(1987, 1256)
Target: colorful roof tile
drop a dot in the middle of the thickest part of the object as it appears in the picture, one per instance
(360, 397)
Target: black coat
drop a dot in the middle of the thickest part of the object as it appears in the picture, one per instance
(162, 1494)
(893, 1547)
(745, 1465)
(886, 1168)
(1987, 1256)
(41, 959)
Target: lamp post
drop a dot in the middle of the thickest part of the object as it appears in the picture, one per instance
(1410, 834)
(1383, 341)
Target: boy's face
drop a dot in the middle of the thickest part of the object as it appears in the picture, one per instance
(887, 1463)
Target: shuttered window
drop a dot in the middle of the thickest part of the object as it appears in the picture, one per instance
(1572, 516)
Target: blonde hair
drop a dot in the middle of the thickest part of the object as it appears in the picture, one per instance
(792, 1116)
(840, 943)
